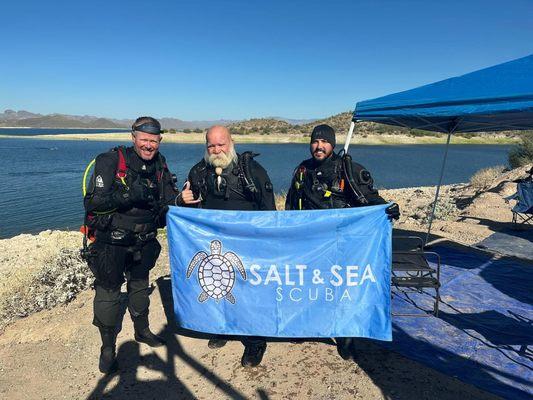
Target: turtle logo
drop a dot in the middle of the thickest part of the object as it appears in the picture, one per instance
(215, 273)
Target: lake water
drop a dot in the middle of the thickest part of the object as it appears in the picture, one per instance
(54, 131)
(40, 180)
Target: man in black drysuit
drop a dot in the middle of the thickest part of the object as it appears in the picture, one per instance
(225, 180)
(129, 194)
(327, 180)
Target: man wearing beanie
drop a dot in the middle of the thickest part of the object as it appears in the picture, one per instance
(323, 182)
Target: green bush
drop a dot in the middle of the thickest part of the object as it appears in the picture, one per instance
(522, 153)
(446, 210)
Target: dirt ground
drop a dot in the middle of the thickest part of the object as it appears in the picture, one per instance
(53, 354)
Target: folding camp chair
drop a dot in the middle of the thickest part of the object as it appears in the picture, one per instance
(523, 210)
(411, 271)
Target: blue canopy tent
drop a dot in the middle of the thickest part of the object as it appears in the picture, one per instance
(492, 99)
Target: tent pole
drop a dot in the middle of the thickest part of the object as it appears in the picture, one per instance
(440, 182)
(349, 137)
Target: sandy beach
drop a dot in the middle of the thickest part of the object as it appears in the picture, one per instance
(181, 137)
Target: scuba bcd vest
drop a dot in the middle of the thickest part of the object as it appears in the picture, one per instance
(237, 180)
(342, 189)
(102, 221)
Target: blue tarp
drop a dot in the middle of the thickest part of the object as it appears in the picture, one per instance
(484, 331)
(491, 99)
(511, 242)
(270, 273)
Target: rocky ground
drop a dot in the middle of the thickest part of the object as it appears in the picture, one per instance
(48, 347)
(465, 213)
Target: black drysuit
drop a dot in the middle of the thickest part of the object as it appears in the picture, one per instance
(231, 192)
(125, 213)
(319, 185)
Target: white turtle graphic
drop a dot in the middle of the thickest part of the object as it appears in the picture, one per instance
(215, 273)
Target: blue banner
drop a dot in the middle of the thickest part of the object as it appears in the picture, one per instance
(319, 273)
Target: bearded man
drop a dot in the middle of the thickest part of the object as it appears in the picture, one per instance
(225, 180)
(328, 180)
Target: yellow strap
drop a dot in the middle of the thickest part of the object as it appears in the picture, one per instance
(327, 193)
(84, 181)
(300, 203)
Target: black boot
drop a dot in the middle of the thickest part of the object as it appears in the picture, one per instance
(108, 362)
(253, 354)
(217, 342)
(151, 339)
(345, 348)
(143, 333)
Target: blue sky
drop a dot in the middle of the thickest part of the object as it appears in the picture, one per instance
(199, 60)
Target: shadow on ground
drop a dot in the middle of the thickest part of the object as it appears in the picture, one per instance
(484, 329)
(129, 384)
(505, 333)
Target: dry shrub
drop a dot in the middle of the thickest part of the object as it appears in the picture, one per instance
(58, 282)
(522, 154)
(446, 210)
(485, 177)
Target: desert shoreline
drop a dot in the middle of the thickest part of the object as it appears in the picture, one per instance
(191, 138)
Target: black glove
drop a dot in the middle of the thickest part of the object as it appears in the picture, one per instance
(121, 197)
(393, 211)
(137, 193)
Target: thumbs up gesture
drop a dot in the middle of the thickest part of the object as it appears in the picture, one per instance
(187, 196)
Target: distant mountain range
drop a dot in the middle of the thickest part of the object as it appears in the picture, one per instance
(32, 120)
(262, 126)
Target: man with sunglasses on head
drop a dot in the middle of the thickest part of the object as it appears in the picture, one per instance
(225, 180)
(129, 194)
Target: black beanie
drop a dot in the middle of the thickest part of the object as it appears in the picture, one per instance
(324, 132)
